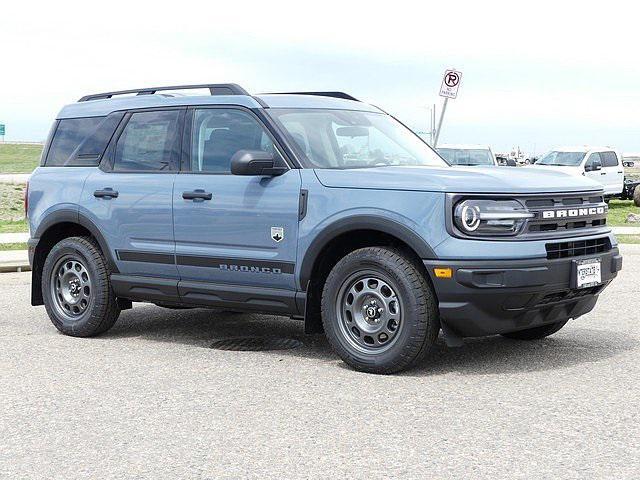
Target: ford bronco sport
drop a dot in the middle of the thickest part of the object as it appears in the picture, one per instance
(311, 205)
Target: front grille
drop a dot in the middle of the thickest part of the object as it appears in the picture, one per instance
(577, 248)
(566, 213)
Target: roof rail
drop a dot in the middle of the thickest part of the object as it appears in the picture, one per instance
(214, 88)
(344, 96)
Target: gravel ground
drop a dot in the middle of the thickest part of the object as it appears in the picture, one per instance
(151, 400)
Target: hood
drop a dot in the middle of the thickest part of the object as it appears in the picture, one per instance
(559, 168)
(457, 180)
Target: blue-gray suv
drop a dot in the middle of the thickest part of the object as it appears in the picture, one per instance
(312, 205)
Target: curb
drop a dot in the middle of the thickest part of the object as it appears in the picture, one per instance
(17, 267)
(14, 261)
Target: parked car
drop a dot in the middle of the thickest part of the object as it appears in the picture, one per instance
(505, 161)
(601, 164)
(467, 155)
(314, 206)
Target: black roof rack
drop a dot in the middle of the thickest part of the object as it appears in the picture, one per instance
(214, 88)
(344, 96)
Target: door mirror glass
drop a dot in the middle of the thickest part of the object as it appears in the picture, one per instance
(256, 162)
(593, 166)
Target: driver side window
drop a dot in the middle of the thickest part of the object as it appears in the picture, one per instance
(219, 133)
(590, 161)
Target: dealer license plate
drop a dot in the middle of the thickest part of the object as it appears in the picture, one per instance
(588, 273)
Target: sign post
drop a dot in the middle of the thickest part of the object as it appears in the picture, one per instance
(448, 89)
(2, 131)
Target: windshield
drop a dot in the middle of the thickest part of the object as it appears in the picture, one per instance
(562, 159)
(464, 156)
(352, 139)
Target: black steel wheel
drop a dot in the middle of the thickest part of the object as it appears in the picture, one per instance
(379, 311)
(76, 290)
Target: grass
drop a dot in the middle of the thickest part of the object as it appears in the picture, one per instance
(12, 208)
(19, 158)
(618, 211)
(12, 246)
(14, 227)
(633, 239)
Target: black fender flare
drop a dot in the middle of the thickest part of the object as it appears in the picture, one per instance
(361, 222)
(68, 215)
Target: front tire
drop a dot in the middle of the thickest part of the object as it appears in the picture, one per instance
(536, 333)
(378, 311)
(76, 289)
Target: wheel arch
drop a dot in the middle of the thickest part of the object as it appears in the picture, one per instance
(56, 226)
(353, 224)
(342, 237)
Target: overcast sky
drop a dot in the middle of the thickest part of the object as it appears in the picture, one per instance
(535, 74)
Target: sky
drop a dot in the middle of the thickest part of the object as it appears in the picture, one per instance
(535, 74)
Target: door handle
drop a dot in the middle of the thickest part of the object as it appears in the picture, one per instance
(603, 173)
(107, 193)
(197, 194)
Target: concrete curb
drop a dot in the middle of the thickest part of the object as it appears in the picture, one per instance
(14, 261)
(626, 230)
(21, 237)
(14, 178)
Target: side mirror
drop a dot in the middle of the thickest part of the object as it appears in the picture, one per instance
(256, 162)
(594, 166)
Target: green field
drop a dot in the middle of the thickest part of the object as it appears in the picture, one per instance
(634, 239)
(13, 246)
(618, 211)
(19, 158)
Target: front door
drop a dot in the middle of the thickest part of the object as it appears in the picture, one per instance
(600, 175)
(230, 229)
(130, 197)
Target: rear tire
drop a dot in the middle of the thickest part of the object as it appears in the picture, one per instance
(536, 333)
(76, 289)
(379, 312)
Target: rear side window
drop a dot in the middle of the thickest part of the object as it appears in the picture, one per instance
(147, 142)
(68, 137)
(609, 159)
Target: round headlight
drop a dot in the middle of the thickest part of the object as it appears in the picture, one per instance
(470, 217)
(481, 217)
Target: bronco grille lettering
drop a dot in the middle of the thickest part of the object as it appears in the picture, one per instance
(574, 212)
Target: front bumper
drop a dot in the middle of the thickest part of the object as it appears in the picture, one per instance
(500, 296)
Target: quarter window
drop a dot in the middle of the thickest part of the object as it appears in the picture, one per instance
(147, 142)
(219, 133)
(68, 136)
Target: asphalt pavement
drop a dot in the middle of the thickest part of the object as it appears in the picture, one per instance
(150, 399)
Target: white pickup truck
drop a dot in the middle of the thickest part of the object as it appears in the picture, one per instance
(602, 164)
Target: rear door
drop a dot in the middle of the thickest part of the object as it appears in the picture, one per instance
(230, 229)
(614, 179)
(130, 197)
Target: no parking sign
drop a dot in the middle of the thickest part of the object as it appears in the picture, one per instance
(450, 83)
